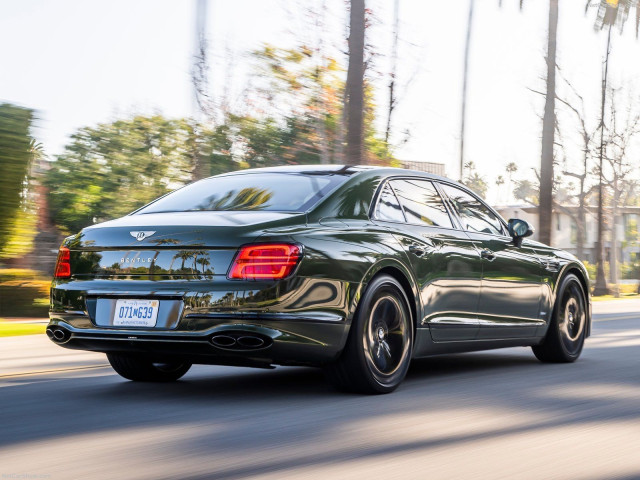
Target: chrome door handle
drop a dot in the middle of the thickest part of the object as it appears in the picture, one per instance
(417, 250)
(488, 254)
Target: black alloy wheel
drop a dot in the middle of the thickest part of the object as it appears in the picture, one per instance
(378, 351)
(566, 334)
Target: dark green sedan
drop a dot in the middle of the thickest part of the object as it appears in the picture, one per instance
(353, 269)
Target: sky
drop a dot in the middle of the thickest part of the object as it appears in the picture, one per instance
(78, 63)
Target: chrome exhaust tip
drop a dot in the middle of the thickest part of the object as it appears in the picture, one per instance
(234, 340)
(223, 341)
(250, 342)
(58, 335)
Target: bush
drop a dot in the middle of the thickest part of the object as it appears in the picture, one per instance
(23, 293)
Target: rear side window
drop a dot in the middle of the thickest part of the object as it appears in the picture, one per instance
(388, 208)
(474, 215)
(283, 192)
(421, 203)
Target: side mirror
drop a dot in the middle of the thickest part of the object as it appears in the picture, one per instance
(518, 229)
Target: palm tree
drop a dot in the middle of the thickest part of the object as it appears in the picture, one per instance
(184, 255)
(204, 262)
(548, 130)
(610, 13)
(354, 108)
(511, 168)
(499, 183)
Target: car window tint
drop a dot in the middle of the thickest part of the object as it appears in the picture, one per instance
(289, 192)
(475, 215)
(422, 203)
(388, 208)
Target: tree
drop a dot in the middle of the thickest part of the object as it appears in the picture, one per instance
(619, 136)
(511, 168)
(474, 180)
(354, 96)
(16, 151)
(610, 13)
(499, 183)
(303, 91)
(527, 191)
(545, 208)
(114, 168)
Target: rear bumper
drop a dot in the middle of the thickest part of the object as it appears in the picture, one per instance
(288, 340)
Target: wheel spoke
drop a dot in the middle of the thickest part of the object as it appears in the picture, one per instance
(386, 335)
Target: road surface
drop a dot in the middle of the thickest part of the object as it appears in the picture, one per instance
(499, 414)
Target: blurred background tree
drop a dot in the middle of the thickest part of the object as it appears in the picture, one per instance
(16, 152)
(113, 168)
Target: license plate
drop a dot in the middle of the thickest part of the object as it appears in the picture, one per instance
(136, 313)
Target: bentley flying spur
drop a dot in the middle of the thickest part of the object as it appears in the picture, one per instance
(356, 270)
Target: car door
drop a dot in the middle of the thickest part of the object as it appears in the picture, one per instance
(511, 291)
(446, 264)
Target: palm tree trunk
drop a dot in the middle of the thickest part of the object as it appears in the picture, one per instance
(465, 77)
(355, 84)
(601, 287)
(548, 130)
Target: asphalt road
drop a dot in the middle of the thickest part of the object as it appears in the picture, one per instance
(499, 414)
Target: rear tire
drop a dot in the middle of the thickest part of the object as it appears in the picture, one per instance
(143, 370)
(566, 333)
(378, 350)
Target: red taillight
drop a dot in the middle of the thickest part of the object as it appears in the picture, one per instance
(63, 265)
(271, 261)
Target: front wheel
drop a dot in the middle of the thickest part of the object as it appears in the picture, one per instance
(378, 351)
(567, 330)
(143, 370)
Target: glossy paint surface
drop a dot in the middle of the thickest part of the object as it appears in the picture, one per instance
(459, 299)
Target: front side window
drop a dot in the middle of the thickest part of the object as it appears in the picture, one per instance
(474, 215)
(284, 192)
(421, 203)
(388, 208)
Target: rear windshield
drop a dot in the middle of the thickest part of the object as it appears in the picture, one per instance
(282, 192)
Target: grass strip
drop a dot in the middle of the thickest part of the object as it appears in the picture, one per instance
(15, 329)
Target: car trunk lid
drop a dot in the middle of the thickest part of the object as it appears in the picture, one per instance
(169, 244)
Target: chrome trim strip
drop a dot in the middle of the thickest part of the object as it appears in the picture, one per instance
(315, 317)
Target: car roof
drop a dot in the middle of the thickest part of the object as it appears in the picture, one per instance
(345, 170)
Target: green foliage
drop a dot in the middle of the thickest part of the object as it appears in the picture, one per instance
(23, 229)
(11, 329)
(23, 293)
(591, 270)
(630, 270)
(114, 168)
(306, 89)
(15, 157)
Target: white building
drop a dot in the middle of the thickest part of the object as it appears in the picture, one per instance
(564, 230)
